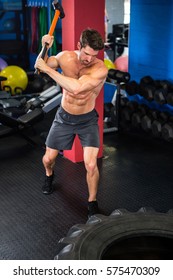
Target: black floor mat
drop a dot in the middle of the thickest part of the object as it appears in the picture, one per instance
(134, 172)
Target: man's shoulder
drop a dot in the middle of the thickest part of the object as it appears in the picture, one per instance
(67, 54)
(100, 65)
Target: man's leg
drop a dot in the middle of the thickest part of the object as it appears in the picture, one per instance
(92, 177)
(49, 162)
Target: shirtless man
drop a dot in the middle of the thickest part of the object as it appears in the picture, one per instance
(82, 78)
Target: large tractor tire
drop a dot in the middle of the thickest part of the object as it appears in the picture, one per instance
(145, 234)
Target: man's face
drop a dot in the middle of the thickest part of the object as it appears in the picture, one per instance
(87, 55)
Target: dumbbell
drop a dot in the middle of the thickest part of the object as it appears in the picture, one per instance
(167, 130)
(147, 91)
(157, 124)
(126, 113)
(147, 87)
(128, 110)
(137, 116)
(118, 76)
(160, 96)
(112, 109)
(147, 120)
(132, 88)
(169, 98)
(165, 84)
(146, 80)
(161, 92)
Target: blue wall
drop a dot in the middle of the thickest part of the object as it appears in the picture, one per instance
(151, 39)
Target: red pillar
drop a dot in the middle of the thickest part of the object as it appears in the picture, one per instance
(78, 16)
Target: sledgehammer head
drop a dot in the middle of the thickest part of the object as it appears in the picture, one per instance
(57, 6)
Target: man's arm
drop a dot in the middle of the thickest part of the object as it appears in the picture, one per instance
(51, 61)
(75, 86)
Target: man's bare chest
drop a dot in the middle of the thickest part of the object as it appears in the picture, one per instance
(76, 72)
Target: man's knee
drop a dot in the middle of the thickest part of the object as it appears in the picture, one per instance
(91, 166)
(47, 160)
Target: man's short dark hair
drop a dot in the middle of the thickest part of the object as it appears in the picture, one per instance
(92, 38)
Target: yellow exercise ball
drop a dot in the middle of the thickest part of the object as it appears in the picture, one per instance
(17, 79)
(109, 64)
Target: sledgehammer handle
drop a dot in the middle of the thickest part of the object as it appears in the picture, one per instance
(54, 22)
(51, 30)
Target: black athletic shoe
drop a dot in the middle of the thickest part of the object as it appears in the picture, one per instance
(93, 208)
(48, 187)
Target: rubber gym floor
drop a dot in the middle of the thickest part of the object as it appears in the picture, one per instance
(134, 172)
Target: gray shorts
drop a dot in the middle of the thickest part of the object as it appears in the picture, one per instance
(66, 126)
